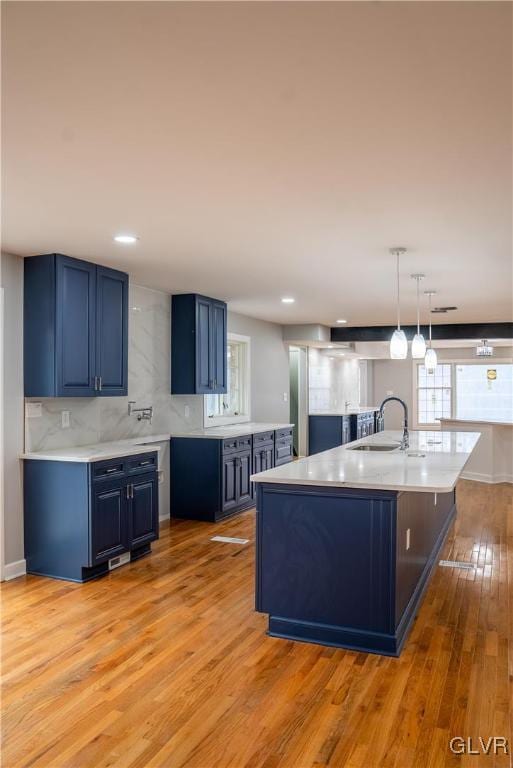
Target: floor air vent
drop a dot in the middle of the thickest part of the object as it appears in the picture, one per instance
(457, 564)
(229, 540)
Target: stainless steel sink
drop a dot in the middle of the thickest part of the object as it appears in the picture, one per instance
(374, 447)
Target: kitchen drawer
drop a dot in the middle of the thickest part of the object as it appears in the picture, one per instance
(284, 433)
(113, 468)
(146, 462)
(263, 437)
(233, 444)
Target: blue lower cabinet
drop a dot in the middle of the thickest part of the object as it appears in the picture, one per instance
(210, 478)
(325, 432)
(332, 565)
(79, 516)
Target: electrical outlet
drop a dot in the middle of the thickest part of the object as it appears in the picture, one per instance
(186, 411)
(33, 410)
(285, 397)
(408, 534)
(390, 392)
(65, 420)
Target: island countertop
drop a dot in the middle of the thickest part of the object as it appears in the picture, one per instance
(443, 456)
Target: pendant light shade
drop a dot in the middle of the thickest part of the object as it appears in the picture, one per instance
(418, 345)
(430, 360)
(398, 342)
(398, 345)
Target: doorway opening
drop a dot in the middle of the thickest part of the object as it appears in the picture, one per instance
(298, 398)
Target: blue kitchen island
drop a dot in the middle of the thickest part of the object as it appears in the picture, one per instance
(347, 539)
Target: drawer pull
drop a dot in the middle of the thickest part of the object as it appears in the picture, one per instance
(112, 469)
(144, 463)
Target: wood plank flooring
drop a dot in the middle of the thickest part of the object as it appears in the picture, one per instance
(165, 663)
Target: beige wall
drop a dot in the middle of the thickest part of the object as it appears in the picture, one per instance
(269, 367)
(12, 371)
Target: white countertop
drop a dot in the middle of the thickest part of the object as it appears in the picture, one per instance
(234, 430)
(345, 412)
(100, 451)
(445, 455)
(499, 422)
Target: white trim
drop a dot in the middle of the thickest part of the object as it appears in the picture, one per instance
(216, 421)
(480, 477)
(13, 570)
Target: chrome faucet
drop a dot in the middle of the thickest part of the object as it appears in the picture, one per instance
(405, 442)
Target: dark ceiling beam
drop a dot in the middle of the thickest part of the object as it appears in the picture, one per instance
(448, 332)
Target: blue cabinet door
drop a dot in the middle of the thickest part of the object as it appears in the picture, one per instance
(111, 331)
(204, 377)
(218, 346)
(75, 327)
(144, 513)
(229, 485)
(109, 521)
(243, 475)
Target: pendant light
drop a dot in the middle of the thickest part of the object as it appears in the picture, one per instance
(418, 345)
(430, 360)
(398, 342)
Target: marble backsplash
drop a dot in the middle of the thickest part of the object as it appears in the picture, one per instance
(98, 419)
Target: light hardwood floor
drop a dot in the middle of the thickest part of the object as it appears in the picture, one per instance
(165, 663)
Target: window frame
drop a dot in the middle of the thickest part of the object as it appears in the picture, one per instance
(453, 362)
(215, 421)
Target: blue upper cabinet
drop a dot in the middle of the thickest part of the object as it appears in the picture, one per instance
(198, 345)
(75, 328)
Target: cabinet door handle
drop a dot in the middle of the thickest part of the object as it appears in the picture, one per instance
(95, 383)
(100, 383)
(128, 491)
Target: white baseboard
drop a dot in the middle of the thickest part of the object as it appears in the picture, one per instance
(479, 477)
(13, 570)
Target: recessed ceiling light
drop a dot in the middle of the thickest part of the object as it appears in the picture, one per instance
(341, 321)
(287, 300)
(125, 239)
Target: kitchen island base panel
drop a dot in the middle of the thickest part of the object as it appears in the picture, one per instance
(333, 567)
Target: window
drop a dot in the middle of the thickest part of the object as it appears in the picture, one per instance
(234, 406)
(464, 390)
(484, 391)
(434, 393)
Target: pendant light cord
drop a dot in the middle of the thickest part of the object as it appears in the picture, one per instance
(418, 306)
(398, 297)
(429, 321)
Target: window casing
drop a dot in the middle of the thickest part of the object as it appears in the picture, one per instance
(234, 406)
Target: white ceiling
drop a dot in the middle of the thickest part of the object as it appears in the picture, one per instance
(268, 149)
